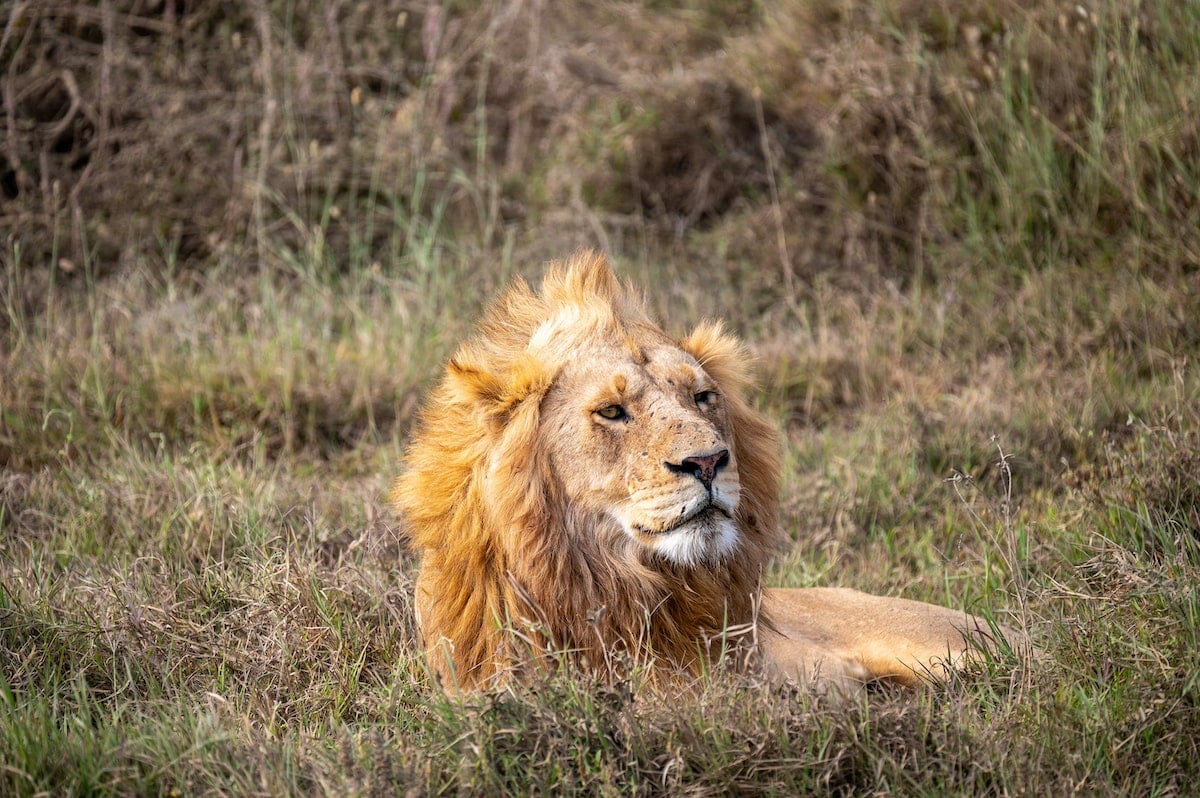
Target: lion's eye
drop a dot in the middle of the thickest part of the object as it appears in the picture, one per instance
(705, 397)
(612, 413)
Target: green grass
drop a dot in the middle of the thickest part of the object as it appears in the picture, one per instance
(967, 261)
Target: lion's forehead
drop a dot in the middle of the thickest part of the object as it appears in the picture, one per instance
(663, 370)
(672, 367)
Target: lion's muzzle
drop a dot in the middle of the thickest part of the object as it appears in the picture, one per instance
(702, 467)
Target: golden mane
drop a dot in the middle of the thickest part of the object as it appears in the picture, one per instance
(502, 554)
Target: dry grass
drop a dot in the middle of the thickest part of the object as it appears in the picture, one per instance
(961, 236)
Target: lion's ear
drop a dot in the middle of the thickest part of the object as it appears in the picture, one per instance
(497, 393)
(723, 356)
(471, 384)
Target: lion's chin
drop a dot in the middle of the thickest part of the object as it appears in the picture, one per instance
(706, 538)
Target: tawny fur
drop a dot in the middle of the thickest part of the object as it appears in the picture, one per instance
(515, 561)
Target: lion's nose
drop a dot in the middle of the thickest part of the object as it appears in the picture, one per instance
(702, 467)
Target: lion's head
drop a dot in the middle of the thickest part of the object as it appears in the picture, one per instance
(583, 481)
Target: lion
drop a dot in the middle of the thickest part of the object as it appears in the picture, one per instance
(583, 488)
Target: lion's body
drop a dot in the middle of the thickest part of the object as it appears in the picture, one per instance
(845, 637)
(585, 485)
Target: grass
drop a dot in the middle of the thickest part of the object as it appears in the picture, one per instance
(963, 244)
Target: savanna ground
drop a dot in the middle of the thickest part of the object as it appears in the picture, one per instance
(963, 238)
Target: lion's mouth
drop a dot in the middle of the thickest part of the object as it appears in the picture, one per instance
(702, 513)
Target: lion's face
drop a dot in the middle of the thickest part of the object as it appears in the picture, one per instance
(638, 434)
(584, 477)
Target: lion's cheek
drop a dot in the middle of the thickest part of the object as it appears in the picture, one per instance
(591, 472)
(727, 492)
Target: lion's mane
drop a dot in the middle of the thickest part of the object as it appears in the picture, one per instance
(505, 557)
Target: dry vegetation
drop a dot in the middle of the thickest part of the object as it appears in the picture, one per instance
(962, 236)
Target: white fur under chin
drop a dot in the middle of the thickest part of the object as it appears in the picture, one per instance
(708, 539)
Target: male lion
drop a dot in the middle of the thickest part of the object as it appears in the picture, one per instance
(584, 485)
